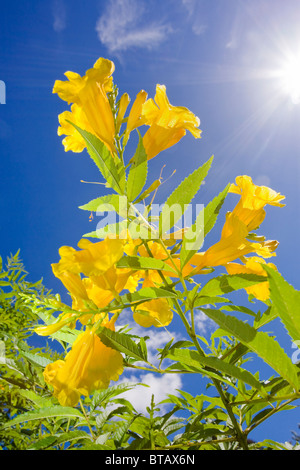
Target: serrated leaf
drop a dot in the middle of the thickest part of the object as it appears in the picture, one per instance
(193, 359)
(109, 202)
(35, 358)
(59, 439)
(38, 400)
(181, 198)
(194, 237)
(138, 172)
(101, 397)
(286, 302)
(139, 262)
(147, 293)
(212, 210)
(109, 229)
(110, 167)
(122, 342)
(43, 443)
(266, 347)
(148, 191)
(51, 412)
(228, 283)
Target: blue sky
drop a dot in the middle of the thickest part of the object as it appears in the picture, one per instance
(224, 60)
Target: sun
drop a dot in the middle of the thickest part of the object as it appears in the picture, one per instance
(290, 79)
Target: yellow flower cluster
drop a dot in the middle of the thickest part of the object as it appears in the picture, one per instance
(234, 244)
(91, 274)
(92, 112)
(93, 281)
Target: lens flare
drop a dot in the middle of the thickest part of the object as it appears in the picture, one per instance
(291, 79)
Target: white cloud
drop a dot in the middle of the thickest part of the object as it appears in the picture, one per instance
(194, 16)
(59, 15)
(190, 6)
(159, 386)
(124, 24)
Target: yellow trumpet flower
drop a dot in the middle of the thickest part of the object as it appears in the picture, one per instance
(89, 366)
(89, 93)
(168, 124)
(93, 259)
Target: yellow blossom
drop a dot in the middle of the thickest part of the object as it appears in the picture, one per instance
(250, 208)
(89, 93)
(93, 258)
(104, 288)
(89, 366)
(233, 245)
(255, 197)
(156, 312)
(168, 124)
(73, 140)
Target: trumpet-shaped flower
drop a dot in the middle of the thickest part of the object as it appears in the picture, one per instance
(255, 197)
(168, 124)
(89, 366)
(233, 245)
(156, 312)
(93, 259)
(89, 93)
(250, 208)
(104, 288)
(73, 140)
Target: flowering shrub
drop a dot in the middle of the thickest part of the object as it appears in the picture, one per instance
(147, 265)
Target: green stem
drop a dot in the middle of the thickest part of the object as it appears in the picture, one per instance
(87, 420)
(272, 412)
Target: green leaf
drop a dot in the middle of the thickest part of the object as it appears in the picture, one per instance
(138, 172)
(148, 191)
(110, 202)
(43, 443)
(72, 436)
(194, 359)
(52, 412)
(261, 343)
(109, 229)
(40, 402)
(139, 262)
(35, 358)
(286, 302)
(147, 293)
(102, 397)
(212, 210)
(181, 197)
(110, 167)
(229, 282)
(122, 342)
(50, 441)
(194, 237)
